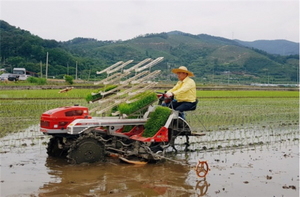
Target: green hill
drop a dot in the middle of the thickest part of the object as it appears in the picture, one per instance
(279, 47)
(212, 59)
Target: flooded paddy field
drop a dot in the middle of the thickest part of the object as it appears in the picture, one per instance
(254, 162)
(251, 145)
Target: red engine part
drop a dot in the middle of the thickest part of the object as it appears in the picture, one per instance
(56, 120)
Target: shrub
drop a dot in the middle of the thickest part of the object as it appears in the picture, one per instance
(36, 80)
(32, 79)
(41, 81)
(69, 79)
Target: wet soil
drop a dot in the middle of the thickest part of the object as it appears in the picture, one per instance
(265, 165)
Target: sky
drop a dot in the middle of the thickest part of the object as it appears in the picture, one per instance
(245, 20)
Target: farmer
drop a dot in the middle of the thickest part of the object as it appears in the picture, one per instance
(184, 92)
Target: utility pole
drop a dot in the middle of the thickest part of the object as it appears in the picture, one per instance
(298, 73)
(213, 79)
(89, 75)
(76, 71)
(41, 68)
(47, 66)
(228, 78)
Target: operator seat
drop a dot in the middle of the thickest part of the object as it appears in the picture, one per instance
(194, 107)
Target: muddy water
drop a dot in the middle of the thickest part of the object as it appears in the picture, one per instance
(254, 162)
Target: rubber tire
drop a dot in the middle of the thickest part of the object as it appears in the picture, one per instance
(53, 150)
(87, 150)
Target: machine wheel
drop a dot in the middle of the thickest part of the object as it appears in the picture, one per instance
(53, 148)
(86, 149)
(202, 169)
(181, 127)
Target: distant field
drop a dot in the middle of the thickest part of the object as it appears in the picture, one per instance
(248, 94)
(225, 114)
(81, 93)
(50, 93)
(20, 109)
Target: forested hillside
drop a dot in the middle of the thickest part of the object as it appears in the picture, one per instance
(279, 47)
(212, 59)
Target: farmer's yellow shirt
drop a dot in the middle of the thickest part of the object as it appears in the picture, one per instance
(185, 91)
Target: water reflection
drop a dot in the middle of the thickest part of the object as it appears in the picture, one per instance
(202, 187)
(114, 178)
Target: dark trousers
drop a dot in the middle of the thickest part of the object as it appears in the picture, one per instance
(181, 106)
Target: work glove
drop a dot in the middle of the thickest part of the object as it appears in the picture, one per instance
(169, 94)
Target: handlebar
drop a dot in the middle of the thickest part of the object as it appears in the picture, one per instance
(162, 97)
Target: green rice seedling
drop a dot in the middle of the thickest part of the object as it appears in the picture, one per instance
(127, 128)
(96, 95)
(140, 101)
(156, 120)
